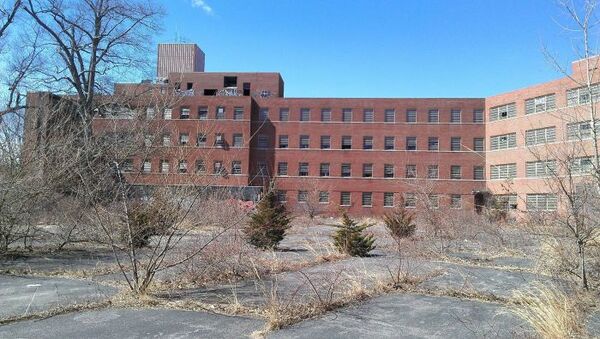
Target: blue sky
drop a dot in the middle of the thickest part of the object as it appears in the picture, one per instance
(378, 48)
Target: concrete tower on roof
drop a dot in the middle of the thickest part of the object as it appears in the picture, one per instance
(179, 58)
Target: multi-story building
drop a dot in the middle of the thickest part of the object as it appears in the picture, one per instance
(239, 130)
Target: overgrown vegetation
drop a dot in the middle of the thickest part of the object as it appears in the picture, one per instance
(349, 237)
(267, 226)
(400, 223)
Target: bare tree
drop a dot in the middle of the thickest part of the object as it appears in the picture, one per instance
(8, 12)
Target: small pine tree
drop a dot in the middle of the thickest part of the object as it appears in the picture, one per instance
(349, 238)
(400, 223)
(267, 226)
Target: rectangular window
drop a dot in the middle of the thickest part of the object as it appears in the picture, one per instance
(283, 141)
(345, 199)
(368, 115)
(164, 166)
(583, 165)
(284, 114)
(127, 165)
(478, 116)
(147, 167)
(263, 141)
(238, 140)
(503, 112)
(433, 116)
(218, 167)
(281, 196)
(541, 202)
(367, 142)
(150, 113)
(389, 115)
(184, 139)
(389, 143)
(346, 142)
(346, 170)
(388, 199)
(456, 201)
(543, 168)
(388, 171)
(282, 168)
(433, 144)
(581, 130)
(303, 169)
(504, 141)
(203, 113)
(506, 201)
(433, 172)
(262, 169)
(478, 173)
(219, 140)
(411, 171)
(184, 113)
(200, 167)
(302, 196)
(326, 114)
(411, 116)
(323, 197)
(304, 141)
(166, 140)
(540, 136)
(583, 95)
(263, 114)
(434, 201)
(220, 115)
(238, 113)
(503, 171)
(411, 143)
(367, 199)
(455, 144)
(455, 116)
(540, 104)
(478, 144)
(167, 114)
(325, 142)
(455, 172)
(236, 167)
(324, 169)
(304, 114)
(347, 115)
(367, 170)
(410, 200)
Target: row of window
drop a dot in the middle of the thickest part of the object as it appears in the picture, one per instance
(533, 202)
(541, 168)
(389, 171)
(182, 167)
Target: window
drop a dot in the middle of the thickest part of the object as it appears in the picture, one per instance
(455, 143)
(200, 167)
(164, 166)
(166, 140)
(583, 95)
(389, 143)
(150, 113)
(540, 136)
(504, 141)
(302, 196)
(184, 139)
(201, 140)
(542, 168)
(282, 168)
(148, 140)
(346, 170)
(503, 171)
(167, 114)
(303, 169)
(262, 169)
(433, 144)
(281, 196)
(263, 114)
(433, 116)
(326, 114)
(455, 172)
(184, 113)
(478, 116)
(230, 81)
(147, 166)
(540, 104)
(456, 201)
(411, 171)
(218, 167)
(284, 114)
(220, 115)
(368, 115)
(182, 166)
(367, 199)
(503, 112)
(283, 141)
(127, 165)
(263, 141)
(506, 201)
(304, 141)
(580, 130)
(388, 170)
(433, 172)
(210, 92)
(346, 142)
(455, 116)
(325, 142)
(583, 165)
(323, 197)
(367, 142)
(238, 140)
(388, 199)
(238, 113)
(347, 115)
(478, 173)
(219, 140)
(304, 114)
(410, 200)
(324, 169)
(389, 115)
(367, 170)
(203, 113)
(433, 201)
(541, 202)
(478, 144)
(246, 89)
(411, 116)
(411, 143)
(345, 199)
